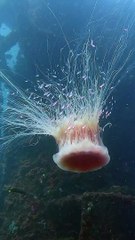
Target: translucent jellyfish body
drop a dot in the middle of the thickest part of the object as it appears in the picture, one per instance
(80, 146)
(70, 108)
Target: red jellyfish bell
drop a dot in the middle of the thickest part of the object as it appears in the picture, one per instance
(80, 147)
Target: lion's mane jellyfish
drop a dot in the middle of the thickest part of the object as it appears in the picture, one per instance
(70, 108)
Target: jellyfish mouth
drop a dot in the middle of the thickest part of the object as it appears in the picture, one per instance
(82, 157)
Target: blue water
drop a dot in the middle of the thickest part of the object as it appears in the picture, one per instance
(36, 37)
(32, 35)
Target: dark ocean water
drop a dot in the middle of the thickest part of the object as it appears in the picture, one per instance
(33, 34)
(40, 29)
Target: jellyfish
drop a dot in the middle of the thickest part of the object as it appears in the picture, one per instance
(71, 108)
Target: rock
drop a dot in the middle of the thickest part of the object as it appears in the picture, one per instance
(107, 216)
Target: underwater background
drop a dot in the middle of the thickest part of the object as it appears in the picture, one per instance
(37, 199)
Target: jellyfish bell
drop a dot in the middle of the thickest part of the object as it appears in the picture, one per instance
(80, 147)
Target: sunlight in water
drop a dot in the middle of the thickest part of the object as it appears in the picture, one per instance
(70, 108)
